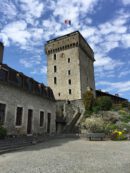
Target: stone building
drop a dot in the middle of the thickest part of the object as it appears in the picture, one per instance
(116, 99)
(70, 72)
(70, 66)
(29, 107)
(26, 106)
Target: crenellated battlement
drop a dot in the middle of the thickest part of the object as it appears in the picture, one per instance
(68, 41)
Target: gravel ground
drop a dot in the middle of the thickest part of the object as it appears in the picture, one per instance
(69, 156)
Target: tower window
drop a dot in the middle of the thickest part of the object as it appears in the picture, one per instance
(59, 94)
(55, 69)
(55, 80)
(69, 81)
(54, 56)
(69, 72)
(68, 60)
(70, 92)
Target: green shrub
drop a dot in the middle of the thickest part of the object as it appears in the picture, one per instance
(3, 132)
(122, 112)
(88, 100)
(103, 103)
(95, 125)
(122, 126)
(96, 109)
(110, 128)
(124, 116)
(87, 113)
(110, 117)
(116, 107)
(129, 106)
(125, 104)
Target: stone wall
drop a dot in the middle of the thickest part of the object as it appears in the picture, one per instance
(14, 97)
(86, 72)
(62, 87)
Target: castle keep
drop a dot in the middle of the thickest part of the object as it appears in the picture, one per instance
(70, 66)
(28, 107)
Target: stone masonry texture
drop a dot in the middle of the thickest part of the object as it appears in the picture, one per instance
(14, 97)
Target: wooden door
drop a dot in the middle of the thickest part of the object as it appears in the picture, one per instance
(29, 123)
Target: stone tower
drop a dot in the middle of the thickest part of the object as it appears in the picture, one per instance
(70, 66)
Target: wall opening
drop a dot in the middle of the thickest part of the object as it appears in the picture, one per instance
(70, 92)
(55, 80)
(54, 56)
(69, 81)
(19, 113)
(55, 69)
(41, 118)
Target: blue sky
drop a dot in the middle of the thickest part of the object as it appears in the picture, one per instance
(25, 26)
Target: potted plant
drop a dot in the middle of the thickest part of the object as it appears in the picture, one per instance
(95, 128)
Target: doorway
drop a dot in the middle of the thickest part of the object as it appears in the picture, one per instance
(48, 122)
(29, 123)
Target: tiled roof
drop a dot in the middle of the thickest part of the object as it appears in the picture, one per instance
(101, 93)
(14, 78)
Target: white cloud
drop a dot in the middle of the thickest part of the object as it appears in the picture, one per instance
(126, 2)
(126, 40)
(118, 86)
(106, 63)
(124, 73)
(17, 32)
(25, 63)
(31, 62)
(40, 70)
(8, 9)
(33, 8)
(43, 70)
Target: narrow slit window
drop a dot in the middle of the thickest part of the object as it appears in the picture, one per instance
(55, 80)
(55, 69)
(69, 81)
(69, 72)
(70, 92)
(54, 56)
(68, 60)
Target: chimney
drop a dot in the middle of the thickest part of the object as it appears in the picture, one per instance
(1, 52)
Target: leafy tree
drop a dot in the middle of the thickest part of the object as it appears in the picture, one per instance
(88, 100)
(129, 106)
(125, 104)
(103, 103)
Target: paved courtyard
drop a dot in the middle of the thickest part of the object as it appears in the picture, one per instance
(69, 156)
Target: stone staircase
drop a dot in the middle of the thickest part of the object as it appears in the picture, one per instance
(72, 125)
